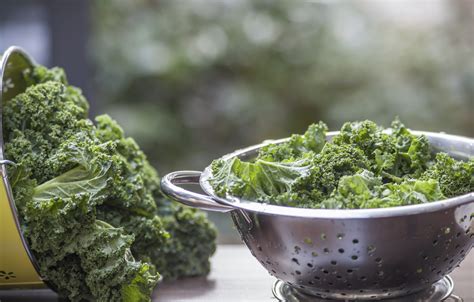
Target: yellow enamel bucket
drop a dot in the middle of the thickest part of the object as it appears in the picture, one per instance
(18, 267)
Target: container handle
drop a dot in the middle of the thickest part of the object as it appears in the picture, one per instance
(169, 187)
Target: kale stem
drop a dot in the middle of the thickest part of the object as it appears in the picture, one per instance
(391, 177)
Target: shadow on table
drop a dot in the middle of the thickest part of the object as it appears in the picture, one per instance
(188, 288)
(29, 295)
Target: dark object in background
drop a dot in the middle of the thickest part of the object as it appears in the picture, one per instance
(55, 32)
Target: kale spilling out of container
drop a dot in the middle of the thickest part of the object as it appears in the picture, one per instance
(90, 204)
(361, 167)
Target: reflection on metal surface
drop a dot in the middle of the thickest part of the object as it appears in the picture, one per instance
(17, 266)
(440, 291)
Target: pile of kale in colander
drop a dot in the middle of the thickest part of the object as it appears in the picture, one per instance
(89, 202)
(363, 166)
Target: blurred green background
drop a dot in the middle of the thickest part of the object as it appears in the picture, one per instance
(191, 80)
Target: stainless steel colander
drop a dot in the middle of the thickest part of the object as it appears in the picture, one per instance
(348, 254)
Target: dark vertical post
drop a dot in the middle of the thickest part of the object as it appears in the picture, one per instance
(69, 24)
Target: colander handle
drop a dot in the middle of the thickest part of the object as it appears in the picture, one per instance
(169, 187)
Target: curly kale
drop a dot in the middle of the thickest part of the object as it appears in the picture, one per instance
(313, 140)
(454, 177)
(191, 237)
(192, 241)
(89, 202)
(364, 166)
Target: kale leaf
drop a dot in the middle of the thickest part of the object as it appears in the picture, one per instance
(90, 204)
(364, 166)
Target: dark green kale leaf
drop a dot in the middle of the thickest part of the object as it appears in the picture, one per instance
(455, 177)
(394, 155)
(365, 190)
(139, 207)
(313, 140)
(90, 203)
(259, 180)
(327, 167)
(37, 121)
(192, 241)
(364, 166)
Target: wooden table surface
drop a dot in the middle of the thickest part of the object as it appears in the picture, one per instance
(236, 277)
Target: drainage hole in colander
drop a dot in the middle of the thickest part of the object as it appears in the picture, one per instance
(297, 249)
(295, 261)
(355, 241)
(323, 236)
(341, 251)
(273, 271)
(309, 264)
(339, 277)
(349, 285)
(354, 257)
(349, 271)
(435, 242)
(317, 278)
(334, 262)
(330, 283)
(363, 278)
(259, 248)
(326, 250)
(268, 262)
(340, 236)
(325, 271)
(298, 272)
(458, 234)
(343, 294)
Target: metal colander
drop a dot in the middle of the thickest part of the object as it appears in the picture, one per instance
(18, 268)
(348, 254)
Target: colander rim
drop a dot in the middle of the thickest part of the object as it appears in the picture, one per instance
(265, 208)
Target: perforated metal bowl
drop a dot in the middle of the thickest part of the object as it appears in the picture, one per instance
(348, 254)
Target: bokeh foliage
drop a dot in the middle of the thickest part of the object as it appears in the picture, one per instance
(191, 80)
